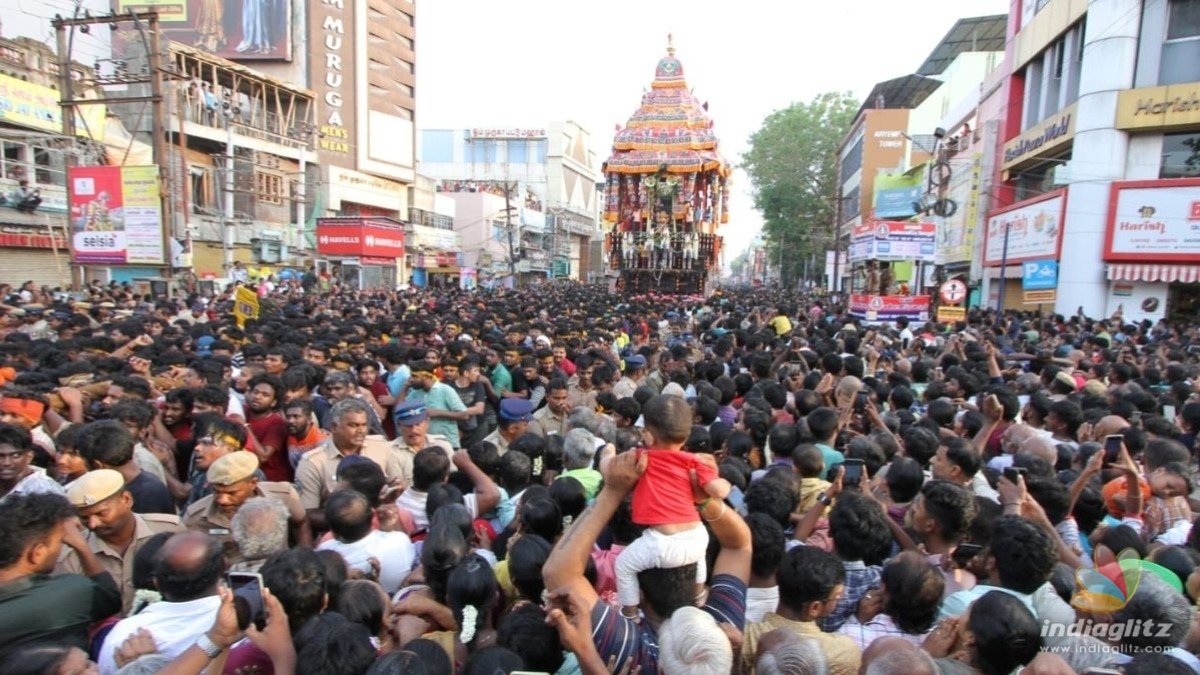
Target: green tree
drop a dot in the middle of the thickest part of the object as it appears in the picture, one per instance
(792, 166)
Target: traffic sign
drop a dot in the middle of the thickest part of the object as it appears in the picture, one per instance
(953, 292)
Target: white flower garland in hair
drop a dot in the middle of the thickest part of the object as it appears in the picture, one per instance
(537, 466)
(470, 617)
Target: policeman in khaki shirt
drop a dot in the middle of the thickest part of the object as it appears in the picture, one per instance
(514, 418)
(552, 419)
(316, 474)
(115, 533)
(412, 420)
(233, 483)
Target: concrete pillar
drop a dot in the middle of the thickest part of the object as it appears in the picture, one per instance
(1098, 153)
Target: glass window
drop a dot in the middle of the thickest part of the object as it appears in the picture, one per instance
(1180, 156)
(1184, 19)
(852, 161)
(851, 204)
(517, 151)
(537, 151)
(483, 152)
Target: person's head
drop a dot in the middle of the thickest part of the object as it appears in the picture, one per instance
(16, 453)
(362, 475)
(943, 511)
(430, 467)
(1000, 633)
(526, 633)
(215, 438)
(904, 480)
(233, 479)
(579, 448)
(470, 595)
(364, 602)
(330, 644)
(1020, 556)
(48, 659)
(668, 421)
(106, 444)
(297, 578)
(349, 424)
(783, 652)
(912, 589)
(493, 660)
(690, 641)
(400, 663)
(34, 526)
(431, 655)
(1154, 602)
(811, 581)
(260, 528)
(526, 558)
(189, 567)
(955, 461)
(859, 529)
(264, 394)
(103, 504)
(767, 539)
(298, 414)
(348, 514)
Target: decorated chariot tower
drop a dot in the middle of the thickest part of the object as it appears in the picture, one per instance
(666, 191)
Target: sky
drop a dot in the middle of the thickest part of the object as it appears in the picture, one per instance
(523, 63)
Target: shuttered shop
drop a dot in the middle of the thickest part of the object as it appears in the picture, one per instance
(18, 265)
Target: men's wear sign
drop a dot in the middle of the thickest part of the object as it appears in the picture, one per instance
(116, 215)
(1154, 221)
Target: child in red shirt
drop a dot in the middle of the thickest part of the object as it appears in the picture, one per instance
(663, 501)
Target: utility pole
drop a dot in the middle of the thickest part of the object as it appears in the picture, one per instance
(227, 223)
(835, 283)
(152, 76)
(512, 252)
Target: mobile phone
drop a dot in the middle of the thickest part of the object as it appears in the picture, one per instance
(963, 553)
(1169, 412)
(1013, 474)
(861, 401)
(248, 602)
(1112, 447)
(852, 471)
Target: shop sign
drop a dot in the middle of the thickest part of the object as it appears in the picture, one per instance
(507, 133)
(1033, 227)
(1154, 221)
(15, 240)
(333, 66)
(360, 237)
(893, 240)
(1174, 105)
(1041, 140)
(951, 314)
(1040, 297)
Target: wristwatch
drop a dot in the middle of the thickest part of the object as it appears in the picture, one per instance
(824, 498)
(206, 645)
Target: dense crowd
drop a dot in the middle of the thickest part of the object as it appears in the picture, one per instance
(562, 480)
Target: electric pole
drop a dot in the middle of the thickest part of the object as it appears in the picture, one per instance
(512, 252)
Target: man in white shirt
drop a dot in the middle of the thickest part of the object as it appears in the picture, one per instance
(188, 573)
(430, 468)
(348, 514)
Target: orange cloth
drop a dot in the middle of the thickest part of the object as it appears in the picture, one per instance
(1118, 486)
(23, 407)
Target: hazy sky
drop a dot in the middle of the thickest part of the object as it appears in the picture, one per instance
(525, 62)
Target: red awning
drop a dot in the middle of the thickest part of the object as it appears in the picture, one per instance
(1188, 274)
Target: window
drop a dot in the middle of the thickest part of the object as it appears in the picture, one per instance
(201, 192)
(498, 233)
(269, 187)
(1052, 79)
(1181, 50)
(516, 151)
(851, 204)
(1181, 156)
(1183, 20)
(852, 161)
(482, 151)
(537, 151)
(48, 167)
(14, 160)
(1038, 179)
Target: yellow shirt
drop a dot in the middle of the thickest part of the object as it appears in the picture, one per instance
(781, 324)
(844, 656)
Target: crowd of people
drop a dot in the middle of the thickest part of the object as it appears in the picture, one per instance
(563, 480)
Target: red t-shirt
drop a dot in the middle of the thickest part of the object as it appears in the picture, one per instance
(271, 431)
(663, 495)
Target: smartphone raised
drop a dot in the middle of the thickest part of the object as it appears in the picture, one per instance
(852, 472)
(861, 401)
(1013, 474)
(248, 601)
(964, 552)
(1169, 413)
(1112, 447)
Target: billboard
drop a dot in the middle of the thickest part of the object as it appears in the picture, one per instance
(116, 215)
(33, 106)
(895, 193)
(1027, 230)
(238, 30)
(1154, 221)
(360, 237)
(332, 75)
(893, 240)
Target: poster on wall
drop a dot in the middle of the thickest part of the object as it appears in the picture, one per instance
(1028, 230)
(238, 30)
(116, 215)
(1154, 221)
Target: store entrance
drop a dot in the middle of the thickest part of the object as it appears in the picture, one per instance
(1183, 303)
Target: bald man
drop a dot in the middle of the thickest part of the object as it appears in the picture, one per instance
(897, 656)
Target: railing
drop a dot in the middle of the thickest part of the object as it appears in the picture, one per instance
(679, 251)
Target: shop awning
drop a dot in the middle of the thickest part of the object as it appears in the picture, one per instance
(1188, 274)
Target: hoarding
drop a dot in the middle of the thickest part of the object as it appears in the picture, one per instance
(893, 241)
(890, 307)
(238, 30)
(116, 215)
(1154, 221)
(1028, 230)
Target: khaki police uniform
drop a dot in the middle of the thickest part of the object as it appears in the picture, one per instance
(544, 423)
(204, 515)
(120, 564)
(316, 475)
(408, 453)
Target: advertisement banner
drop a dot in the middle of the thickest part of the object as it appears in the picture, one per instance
(895, 193)
(889, 307)
(33, 106)
(1039, 275)
(956, 232)
(1154, 221)
(116, 215)
(1028, 230)
(373, 237)
(893, 241)
(238, 30)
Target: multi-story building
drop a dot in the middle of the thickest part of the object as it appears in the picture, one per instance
(550, 174)
(33, 158)
(1101, 159)
(434, 248)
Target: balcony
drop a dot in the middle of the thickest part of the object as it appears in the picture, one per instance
(214, 95)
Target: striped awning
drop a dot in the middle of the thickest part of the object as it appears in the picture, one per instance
(1188, 274)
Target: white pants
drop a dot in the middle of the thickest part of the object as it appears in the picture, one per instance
(655, 549)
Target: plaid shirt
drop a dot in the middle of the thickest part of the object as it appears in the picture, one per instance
(859, 579)
(1160, 515)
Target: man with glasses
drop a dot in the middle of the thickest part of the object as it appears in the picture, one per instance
(216, 440)
(17, 475)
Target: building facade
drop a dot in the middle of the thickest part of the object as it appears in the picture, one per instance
(550, 174)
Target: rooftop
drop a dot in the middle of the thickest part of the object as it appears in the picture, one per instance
(974, 34)
(906, 91)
